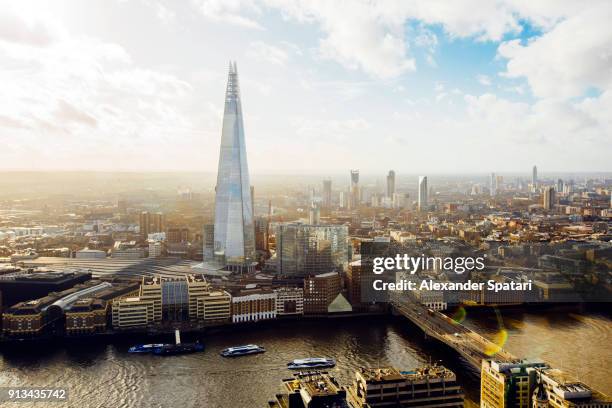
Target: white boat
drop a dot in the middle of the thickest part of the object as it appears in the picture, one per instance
(242, 350)
(313, 362)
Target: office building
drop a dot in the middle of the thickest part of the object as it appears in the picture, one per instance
(262, 228)
(234, 232)
(431, 386)
(144, 224)
(188, 298)
(422, 199)
(158, 223)
(557, 389)
(499, 183)
(493, 185)
(151, 223)
(133, 312)
(303, 249)
(355, 191)
(289, 301)
(177, 235)
(310, 390)
(327, 194)
(548, 198)
(534, 178)
(314, 214)
(25, 284)
(155, 249)
(127, 250)
(151, 290)
(208, 238)
(206, 304)
(390, 184)
(90, 314)
(253, 304)
(320, 291)
(353, 283)
(507, 384)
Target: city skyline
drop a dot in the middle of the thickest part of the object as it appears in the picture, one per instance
(496, 90)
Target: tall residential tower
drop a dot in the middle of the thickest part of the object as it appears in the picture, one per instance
(234, 234)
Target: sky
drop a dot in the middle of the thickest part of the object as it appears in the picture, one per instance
(418, 86)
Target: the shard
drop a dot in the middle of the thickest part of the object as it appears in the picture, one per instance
(234, 234)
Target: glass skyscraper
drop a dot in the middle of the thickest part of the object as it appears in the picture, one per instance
(304, 250)
(234, 234)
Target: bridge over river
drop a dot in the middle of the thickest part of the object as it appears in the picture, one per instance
(471, 345)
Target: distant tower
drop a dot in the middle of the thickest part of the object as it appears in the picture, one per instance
(327, 193)
(234, 233)
(534, 177)
(422, 199)
(159, 222)
(390, 183)
(548, 198)
(314, 215)
(355, 196)
(145, 224)
(493, 185)
(559, 185)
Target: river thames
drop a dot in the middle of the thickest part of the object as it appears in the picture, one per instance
(99, 374)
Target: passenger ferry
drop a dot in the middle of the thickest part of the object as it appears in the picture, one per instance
(144, 348)
(242, 350)
(181, 348)
(317, 362)
(167, 349)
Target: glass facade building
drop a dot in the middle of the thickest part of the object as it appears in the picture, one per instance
(303, 250)
(234, 234)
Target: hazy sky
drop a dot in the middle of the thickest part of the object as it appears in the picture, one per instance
(418, 86)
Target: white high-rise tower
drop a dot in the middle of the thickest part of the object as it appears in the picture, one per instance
(422, 203)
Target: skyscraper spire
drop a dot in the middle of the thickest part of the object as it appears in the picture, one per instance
(234, 238)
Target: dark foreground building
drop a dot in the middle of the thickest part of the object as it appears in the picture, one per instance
(27, 284)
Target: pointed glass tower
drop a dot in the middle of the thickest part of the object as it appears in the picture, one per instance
(234, 234)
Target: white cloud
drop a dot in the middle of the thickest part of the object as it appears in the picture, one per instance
(484, 80)
(268, 53)
(25, 30)
(85, 100)
(236, 12)
(572, 57)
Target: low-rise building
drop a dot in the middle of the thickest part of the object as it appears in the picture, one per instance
(87, 253)
(556, 389)
(35, 317)
(430, 386)
(92, 314)
(310, 390)
(253, 304)
(320, 291)
(289, 301)
(133, 312)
